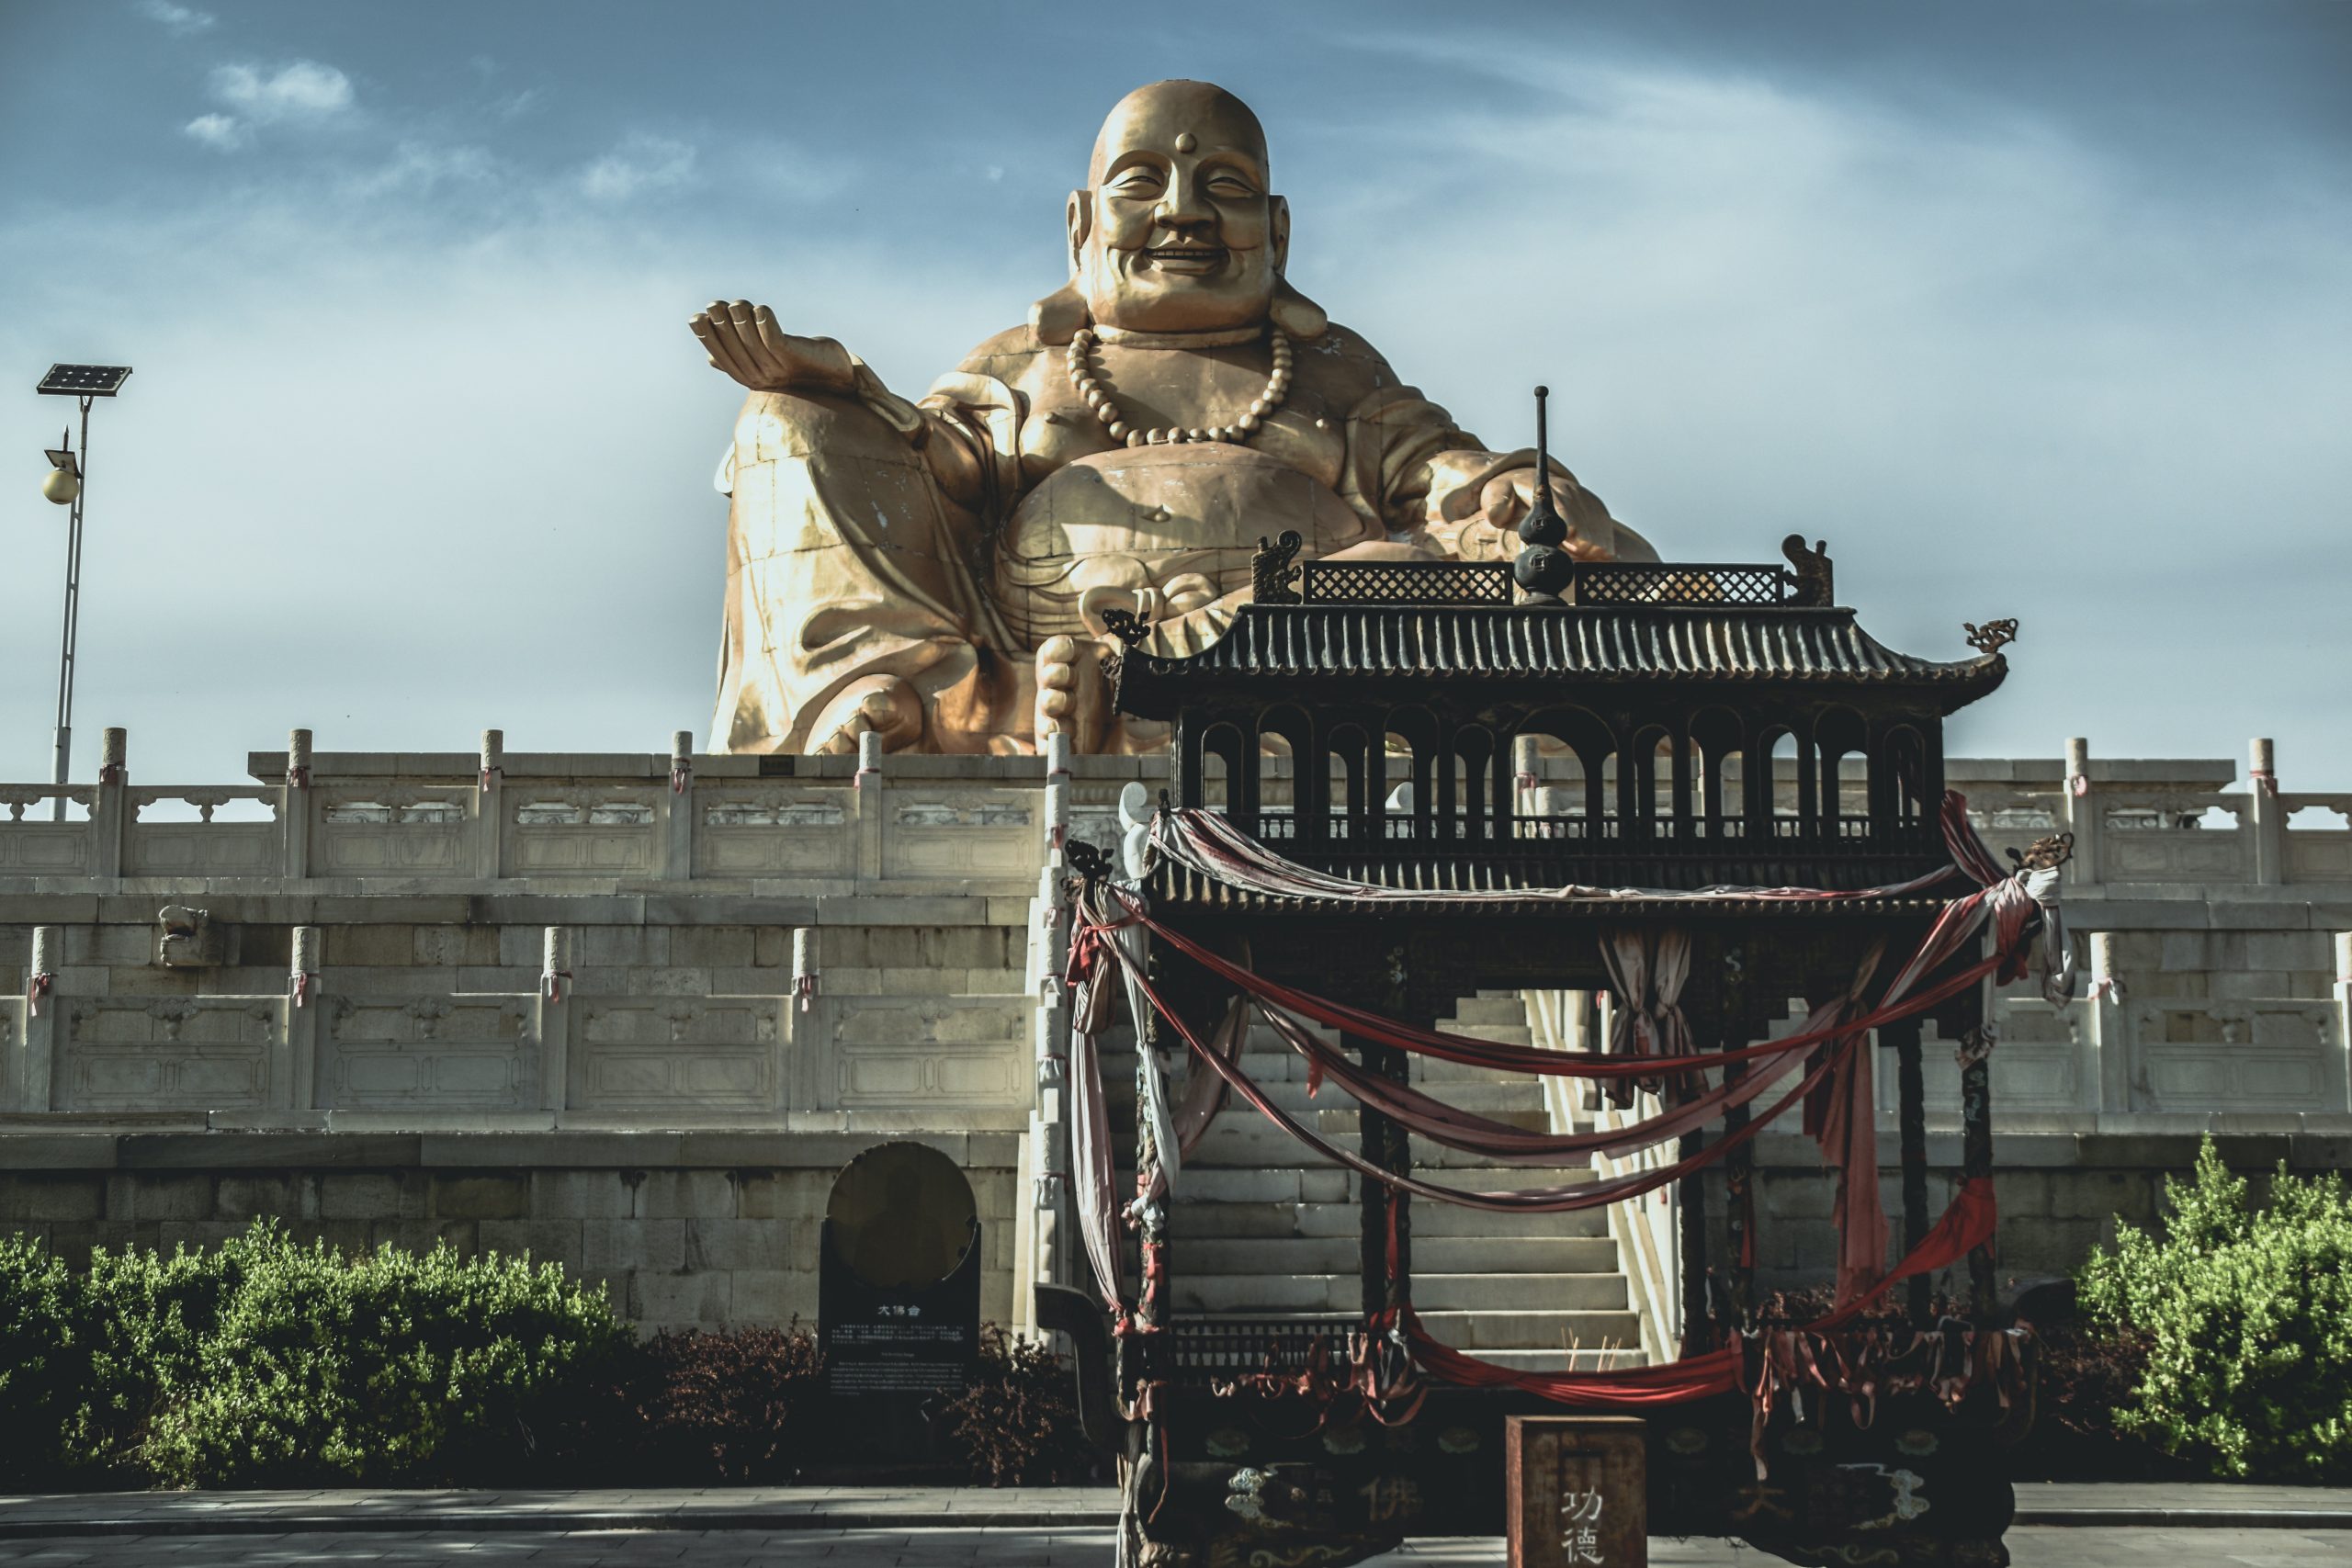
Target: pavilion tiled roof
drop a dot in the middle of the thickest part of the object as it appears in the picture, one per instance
(1600, 643)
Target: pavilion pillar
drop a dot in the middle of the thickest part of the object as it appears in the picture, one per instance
(1387, 1213)
(1976, 1131)
(1912, 1113)
(1702, 1007)
(1741, 1025)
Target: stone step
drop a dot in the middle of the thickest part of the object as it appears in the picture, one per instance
(1239, 1218)
(1258, 1144)
(1224, 1253)
(1521, 1096)
(1434, 1070)
(1565, 1361)
(1489, 1292)
(1489, 1007)
(1511, 1034)
(1484, 1295)
(1481, 1332)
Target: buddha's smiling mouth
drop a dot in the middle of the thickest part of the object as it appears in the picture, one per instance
(1188, 261)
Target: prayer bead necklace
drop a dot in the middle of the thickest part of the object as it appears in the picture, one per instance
(1088, 383)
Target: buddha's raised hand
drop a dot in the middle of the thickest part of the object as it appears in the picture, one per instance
(744, 340)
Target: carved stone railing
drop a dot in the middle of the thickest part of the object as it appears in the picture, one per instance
(421, 819)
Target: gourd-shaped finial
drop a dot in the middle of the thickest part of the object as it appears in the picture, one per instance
(1543, 568)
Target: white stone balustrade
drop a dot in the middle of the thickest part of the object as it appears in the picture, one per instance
(403, 896)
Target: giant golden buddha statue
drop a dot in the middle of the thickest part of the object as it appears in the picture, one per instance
(938, 572)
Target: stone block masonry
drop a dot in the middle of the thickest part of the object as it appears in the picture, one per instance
(633, 1017)
(684, 1231)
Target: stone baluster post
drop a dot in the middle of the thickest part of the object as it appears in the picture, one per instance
(490, 810)
(869, 783)
(42, 1009)
(110, 814)
(296, 1078)
(2269, 818)
(678, 861)
(2344, 1018)
(294, 805)
(2079, 810)
(1049, 956)
(2108, 1087)
(555, 1020)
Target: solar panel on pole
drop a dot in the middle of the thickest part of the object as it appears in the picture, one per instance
(83, 381)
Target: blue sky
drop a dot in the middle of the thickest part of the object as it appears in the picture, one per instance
(2040, 310)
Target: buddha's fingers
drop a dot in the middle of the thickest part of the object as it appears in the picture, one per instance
(773, 372)
(717, 331)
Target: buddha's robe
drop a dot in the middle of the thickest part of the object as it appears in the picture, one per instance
(846, 559)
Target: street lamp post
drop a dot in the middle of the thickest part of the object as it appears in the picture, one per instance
(67, 484)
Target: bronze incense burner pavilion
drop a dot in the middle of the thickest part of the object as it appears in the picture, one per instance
(1405, 865)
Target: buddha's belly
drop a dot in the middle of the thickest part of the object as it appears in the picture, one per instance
(1175, 526)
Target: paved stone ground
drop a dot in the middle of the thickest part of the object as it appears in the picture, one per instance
(2105, 1527)
(2033, 1546)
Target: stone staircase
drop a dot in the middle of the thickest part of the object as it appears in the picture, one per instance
(1261, 1225)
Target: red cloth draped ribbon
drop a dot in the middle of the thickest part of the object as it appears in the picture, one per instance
(1534, 1200)
(1967, 1225)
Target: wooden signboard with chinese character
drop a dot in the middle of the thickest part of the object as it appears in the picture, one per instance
(1578, 1490)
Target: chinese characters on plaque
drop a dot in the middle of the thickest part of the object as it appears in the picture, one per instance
(1578, 1490)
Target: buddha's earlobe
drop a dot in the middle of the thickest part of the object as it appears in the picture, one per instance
(1299, 316)
(1058, 317)
(1078, 217)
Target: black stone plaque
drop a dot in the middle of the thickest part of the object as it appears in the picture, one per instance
(898, 1283)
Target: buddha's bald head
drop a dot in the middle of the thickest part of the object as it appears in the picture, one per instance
(1165, 111)
(1178, 229)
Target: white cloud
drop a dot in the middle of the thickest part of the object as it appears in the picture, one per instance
(303, 89)
(641, 163)
(181, 19)
(417, 168)
(220, 130)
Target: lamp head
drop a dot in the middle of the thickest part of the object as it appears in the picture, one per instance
(64, 481)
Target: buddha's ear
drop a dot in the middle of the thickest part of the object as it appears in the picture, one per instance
(1056, 318)
(1299, 316)
(1079, 217)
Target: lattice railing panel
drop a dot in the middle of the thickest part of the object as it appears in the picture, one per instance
(1405, 583)
(1631, 583)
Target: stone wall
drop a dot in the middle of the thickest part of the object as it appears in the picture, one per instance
(691, 1230)
(2059, 1194)
(634, 1011)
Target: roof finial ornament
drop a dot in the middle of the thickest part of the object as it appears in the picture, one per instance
(1991, 636)
(1543, 568)
(1813, 582)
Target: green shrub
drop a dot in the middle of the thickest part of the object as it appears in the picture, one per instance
(265, 1362)
(41, 1361)
(2246, 1315)
(388, 1370)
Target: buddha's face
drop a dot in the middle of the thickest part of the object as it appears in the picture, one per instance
(1177, 231)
